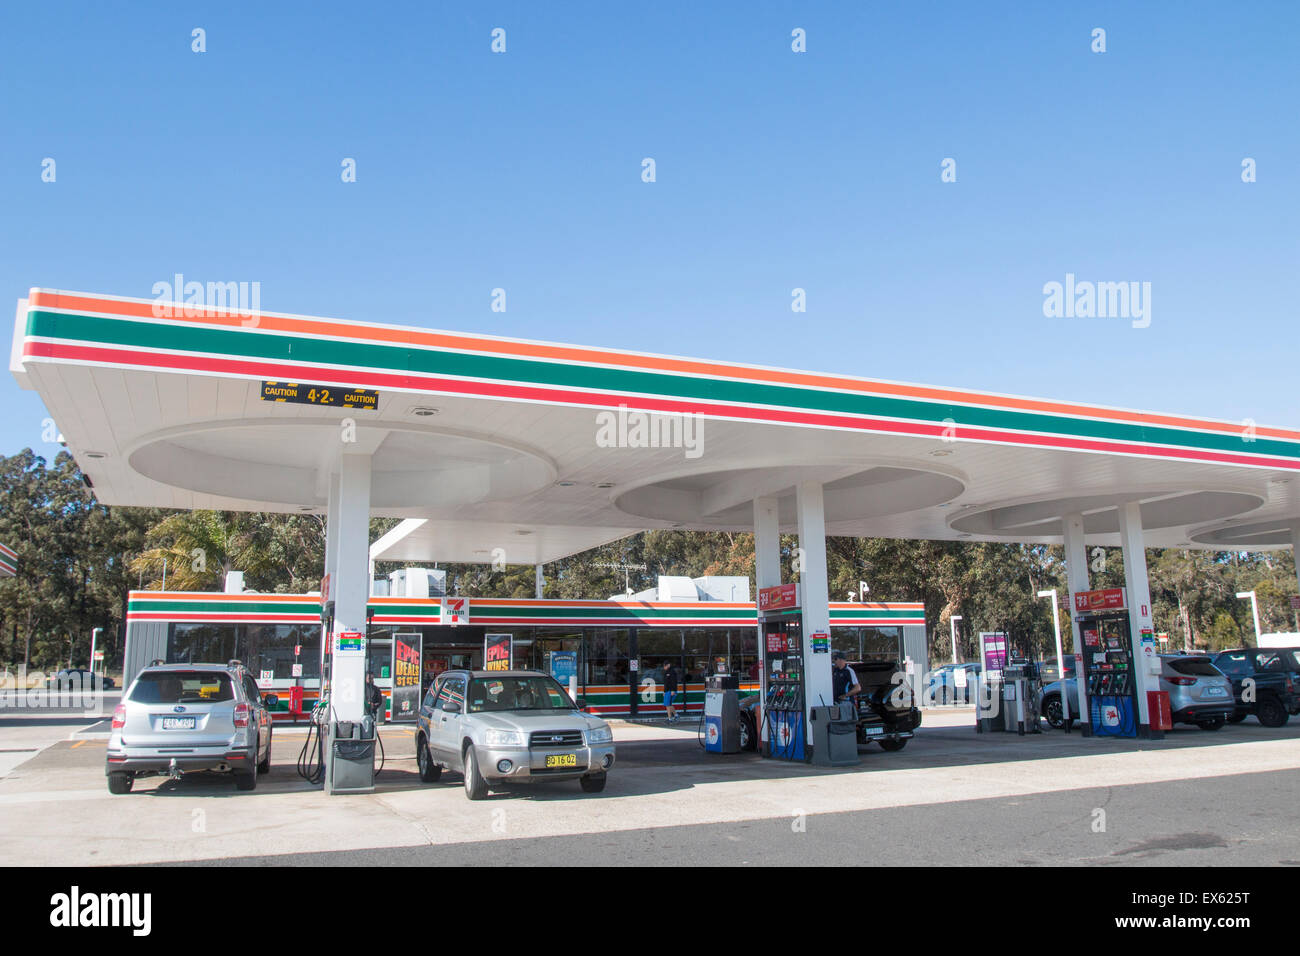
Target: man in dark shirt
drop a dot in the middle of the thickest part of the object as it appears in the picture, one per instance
(670, 690)
(844, 682)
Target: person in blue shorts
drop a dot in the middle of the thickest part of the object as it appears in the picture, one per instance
(670, 690)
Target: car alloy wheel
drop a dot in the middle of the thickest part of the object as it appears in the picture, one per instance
(476, 787)
(1271, 713)
(746, 736)
(1052, 713)
(429, 771)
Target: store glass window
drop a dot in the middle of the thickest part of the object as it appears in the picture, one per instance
(201, 643)
(655, 647)
(868, 643)
(606, 656)
(269, 647)
(706, 651)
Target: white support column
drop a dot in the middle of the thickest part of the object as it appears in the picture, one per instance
(539, 582)
(1076, 578)
(767, 544)
(350, 585)
(814, 596)
(332, 526)
(1139, 600)
(767, 573)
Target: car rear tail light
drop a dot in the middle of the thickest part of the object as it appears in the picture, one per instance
(241, 715)
(119, 716)
(1182, 681)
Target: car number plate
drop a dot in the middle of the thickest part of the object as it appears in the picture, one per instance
(178, 723)
(873, 730)
(1216, 692)
(562, 760)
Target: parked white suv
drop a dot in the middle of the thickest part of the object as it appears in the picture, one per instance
(178, 718)
(500, 727)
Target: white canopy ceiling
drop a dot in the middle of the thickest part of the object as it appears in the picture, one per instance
(527, 450)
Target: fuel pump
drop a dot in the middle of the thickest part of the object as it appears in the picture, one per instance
(783, 693)
(1020, 684)
(722, 714)
(1108, 672)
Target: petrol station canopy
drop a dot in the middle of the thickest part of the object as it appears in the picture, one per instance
(540, 449)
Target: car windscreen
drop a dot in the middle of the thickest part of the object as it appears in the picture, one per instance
(487, 694)
(183, 687)
(1194, 667)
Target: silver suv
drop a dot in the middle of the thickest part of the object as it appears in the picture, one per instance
(179, 718)
(1199, 693)
(500, 727)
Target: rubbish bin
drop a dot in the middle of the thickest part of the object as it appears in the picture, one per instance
(352, 758)
(835, 736)
(1158, 710)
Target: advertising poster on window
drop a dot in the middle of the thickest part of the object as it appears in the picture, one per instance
(564, 666)
(497, 652)
(407, 652)
(994, 645)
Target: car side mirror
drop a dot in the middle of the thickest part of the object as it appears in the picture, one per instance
(270, 700)
(581, 702)
(451, 708)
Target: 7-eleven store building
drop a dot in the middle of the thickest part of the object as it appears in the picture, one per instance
(621, 646)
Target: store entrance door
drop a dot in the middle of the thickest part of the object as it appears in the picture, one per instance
(450, 648)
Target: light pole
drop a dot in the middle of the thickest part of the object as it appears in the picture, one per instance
(952, 621)
(1254, 610)
(1060, 658)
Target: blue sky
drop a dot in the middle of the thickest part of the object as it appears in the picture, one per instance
(775, 170)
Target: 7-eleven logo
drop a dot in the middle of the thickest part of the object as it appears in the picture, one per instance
(456, 610)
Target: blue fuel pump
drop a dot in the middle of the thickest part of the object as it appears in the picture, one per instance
(1109, 669)
(722, 714)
